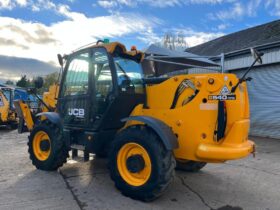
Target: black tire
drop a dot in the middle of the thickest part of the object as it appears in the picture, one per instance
(59, 151)
(162, 162)
(12, 126)
(103, 151)
(189, 166)
(101, 154)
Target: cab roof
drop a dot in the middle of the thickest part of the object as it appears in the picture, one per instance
(114, 48)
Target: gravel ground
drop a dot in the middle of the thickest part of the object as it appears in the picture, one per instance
(251, 183)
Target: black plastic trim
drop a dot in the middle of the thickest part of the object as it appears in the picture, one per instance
(222, 120)
(51, 116)
(165, 133)
(155, 80)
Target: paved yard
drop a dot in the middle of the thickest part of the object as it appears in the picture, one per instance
(253, 183)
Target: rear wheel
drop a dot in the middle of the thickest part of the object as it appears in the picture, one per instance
(139, 164)
(46, 147)
(189, 165)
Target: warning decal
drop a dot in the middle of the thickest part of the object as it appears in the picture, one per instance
(224, 95)
(225, 91)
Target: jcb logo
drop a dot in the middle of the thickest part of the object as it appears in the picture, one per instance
(76, 112)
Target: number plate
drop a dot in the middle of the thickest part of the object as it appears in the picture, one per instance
(222, 97)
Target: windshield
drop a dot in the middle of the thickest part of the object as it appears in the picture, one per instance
(129, 69)
(7, 94)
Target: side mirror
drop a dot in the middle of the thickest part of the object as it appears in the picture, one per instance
(257, 55)
(38, 82)
(60, 59)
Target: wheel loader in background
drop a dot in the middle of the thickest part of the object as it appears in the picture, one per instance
(8, 116)
(146, 126)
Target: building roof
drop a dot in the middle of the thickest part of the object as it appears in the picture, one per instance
(161, 61)
(186, 57)
(251, 37)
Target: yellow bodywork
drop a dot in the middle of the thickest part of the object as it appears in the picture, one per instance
(4, 108)
(25, 113)
(6, 114)
(113, 46)
(193, 119)
(194, 122)
(49, 98)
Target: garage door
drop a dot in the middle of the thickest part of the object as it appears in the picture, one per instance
(264, 94)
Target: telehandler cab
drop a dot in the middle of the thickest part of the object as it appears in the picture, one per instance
(8, 115)
(146, 126)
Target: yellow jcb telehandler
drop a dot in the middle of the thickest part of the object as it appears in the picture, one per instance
(146, 126)
(8, 116)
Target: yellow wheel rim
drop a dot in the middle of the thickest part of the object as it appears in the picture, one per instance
(134, 178)
(40, 154)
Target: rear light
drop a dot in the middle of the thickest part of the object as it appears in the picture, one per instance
(133, 48)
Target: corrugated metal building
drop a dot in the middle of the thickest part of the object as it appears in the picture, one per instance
(264, 89)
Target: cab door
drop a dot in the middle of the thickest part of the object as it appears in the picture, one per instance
(117, 89)
(104, 85)
(75, 96)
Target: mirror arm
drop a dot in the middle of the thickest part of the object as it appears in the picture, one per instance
(33, 91)
(42, 101)
(243, 77)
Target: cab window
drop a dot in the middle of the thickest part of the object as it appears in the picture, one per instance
(103, 79)
(77, 76)
(102, 73)
(130, 74)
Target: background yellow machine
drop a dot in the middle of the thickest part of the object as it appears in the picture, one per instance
(8, 116)
(146, 126)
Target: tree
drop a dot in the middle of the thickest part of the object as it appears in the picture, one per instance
(9, 82)
(174, 41)
(181, 44)
(50, 79)
(23, 82)
(169, 41)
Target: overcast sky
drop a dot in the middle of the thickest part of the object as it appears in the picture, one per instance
(32, 32)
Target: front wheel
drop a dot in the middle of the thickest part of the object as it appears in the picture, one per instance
(139, 164)
(46, 147)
